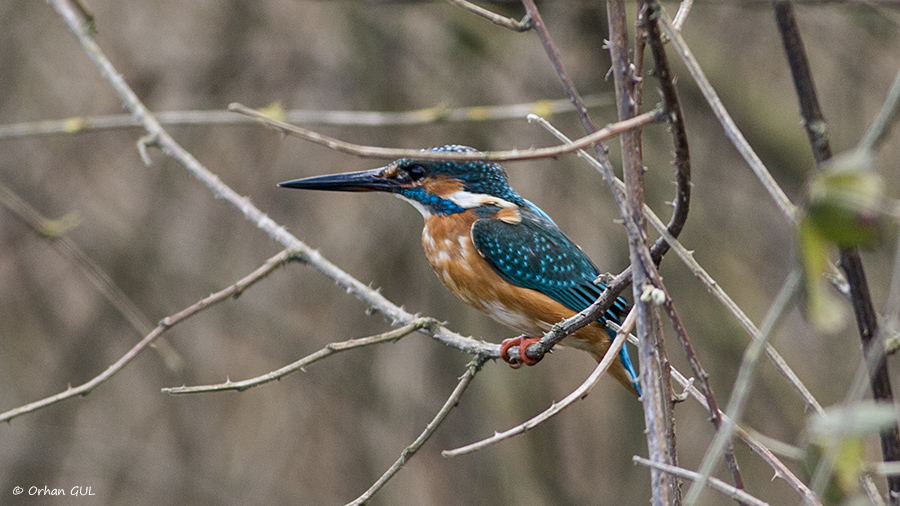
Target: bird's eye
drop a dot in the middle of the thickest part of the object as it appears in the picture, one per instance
(416, 172)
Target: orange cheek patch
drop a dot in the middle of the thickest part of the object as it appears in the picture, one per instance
(442, 186)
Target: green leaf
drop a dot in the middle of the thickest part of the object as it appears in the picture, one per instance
(844, 202)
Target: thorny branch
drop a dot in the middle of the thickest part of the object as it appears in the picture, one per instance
(579, 393)
(735, 493)
(164, 325)
(159, 138)
(472, 369)
(687, 258)
(330, 349)
(167, 144)
(493, 17)
(742, 384)
(604, 133)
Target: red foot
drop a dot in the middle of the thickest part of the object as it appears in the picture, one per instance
(523, 343)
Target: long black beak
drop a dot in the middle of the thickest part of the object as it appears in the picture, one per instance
(362, 181)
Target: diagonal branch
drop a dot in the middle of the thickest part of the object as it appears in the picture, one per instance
(742, 384)
(157, 136)
(578, 394)
(493, 17)
(687, 257)
(731, 130)
(330, 349)
(781, 470)
(411, 450)
(54, 232)
(735, 493)
(164, 325)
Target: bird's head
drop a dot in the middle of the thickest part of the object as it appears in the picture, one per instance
(433, 186)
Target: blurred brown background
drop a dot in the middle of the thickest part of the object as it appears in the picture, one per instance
(324, 436)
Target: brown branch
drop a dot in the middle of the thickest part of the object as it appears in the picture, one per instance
(850, 261)
(781, 470)
(681, 202)
(656, 388)
(604, 133)
(681, 206)
(570, 90)
(164, 325)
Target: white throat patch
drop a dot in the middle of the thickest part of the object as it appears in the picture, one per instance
(469, 200)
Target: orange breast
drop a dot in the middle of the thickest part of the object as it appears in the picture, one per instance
(448, 246)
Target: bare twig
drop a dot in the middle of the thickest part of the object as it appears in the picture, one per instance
(220, 190)
(493, 17)
(742, 384)
(684, 8)
(714, 483)
(570, 90)
(579, 393)
(410, 450)
(430, 115)
(164, 325)
(607, 132)
(781, 470)
(871, 491)
(582, 318)
(681, 202)
(330, 349)
(717, 291)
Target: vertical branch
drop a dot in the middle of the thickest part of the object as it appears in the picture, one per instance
(681, 205)
(866, 319)
(657, 390)
(655, 380)
(681, 202)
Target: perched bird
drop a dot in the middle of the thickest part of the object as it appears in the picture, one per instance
(495, 250)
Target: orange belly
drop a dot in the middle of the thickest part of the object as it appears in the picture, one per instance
(448, 246)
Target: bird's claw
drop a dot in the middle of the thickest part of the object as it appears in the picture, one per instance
(523, 343)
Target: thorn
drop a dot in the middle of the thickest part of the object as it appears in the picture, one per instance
(684, 393)
(143, 143)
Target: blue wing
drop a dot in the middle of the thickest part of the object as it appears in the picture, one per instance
(536, 254)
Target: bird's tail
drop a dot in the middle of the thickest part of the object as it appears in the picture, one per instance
(622, 370)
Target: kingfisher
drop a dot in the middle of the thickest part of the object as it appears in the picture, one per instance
(496, 251)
